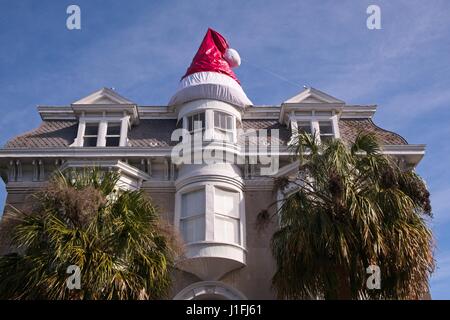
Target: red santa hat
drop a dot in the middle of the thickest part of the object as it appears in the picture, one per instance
(210, 75)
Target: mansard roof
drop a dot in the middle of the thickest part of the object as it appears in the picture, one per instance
(154, 133)
(153, 126)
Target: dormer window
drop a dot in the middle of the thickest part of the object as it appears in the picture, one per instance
(326, 131)
(101, 134)
(104, 119)
(90, 135)
(325, 127)
(113, 134)
(304, 127)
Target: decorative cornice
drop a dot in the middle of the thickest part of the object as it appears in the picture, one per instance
(358, 111)
(56, 113)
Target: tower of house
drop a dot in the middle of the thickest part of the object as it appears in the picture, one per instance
(209, 199)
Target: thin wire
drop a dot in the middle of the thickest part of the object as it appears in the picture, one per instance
(272, 73)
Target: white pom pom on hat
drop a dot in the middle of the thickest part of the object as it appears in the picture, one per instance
(232, 57)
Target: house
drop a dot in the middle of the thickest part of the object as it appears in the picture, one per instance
(214, 204)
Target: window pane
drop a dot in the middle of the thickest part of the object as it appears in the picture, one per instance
(113, 129)
(229, 122)
(226, 229)
(91, 129)
(226, 202)
(217, 119)
(193, 229)
(325, 127)
(112, 141)
(196, 121)
(304, 127)
(90, 142)
(193, 203)
(223, 120)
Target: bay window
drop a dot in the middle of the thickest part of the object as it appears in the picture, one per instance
(192, 218)
(196, 122)
(216, 125)
(226, 216)
(223, 126)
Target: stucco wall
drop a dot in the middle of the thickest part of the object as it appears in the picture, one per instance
(253, 280)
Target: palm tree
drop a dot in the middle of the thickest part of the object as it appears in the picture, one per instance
(116, 238)
(352, 207)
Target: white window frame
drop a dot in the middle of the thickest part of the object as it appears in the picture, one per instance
(191, 118)
(235, 219)
(196, 216)
(320, 134)
(91, 135)
(227, 132)
(210, 216)
(314, 120)
(113, 135)
(102, 130)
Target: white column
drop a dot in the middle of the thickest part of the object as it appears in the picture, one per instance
(294, 131)
(125, 122)
(315, 129)
(209, 212)
(242, 222)
(209, 125)
(334, 121)
(80, 134)
(234, 129)
(101, 139)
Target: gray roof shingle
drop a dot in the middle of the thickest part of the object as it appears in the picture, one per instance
(157, 133)
(152, 133)
(350, 128)
(50, 134)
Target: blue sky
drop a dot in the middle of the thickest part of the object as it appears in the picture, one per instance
(141, 48)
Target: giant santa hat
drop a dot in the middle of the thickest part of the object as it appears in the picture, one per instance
(210, 75)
